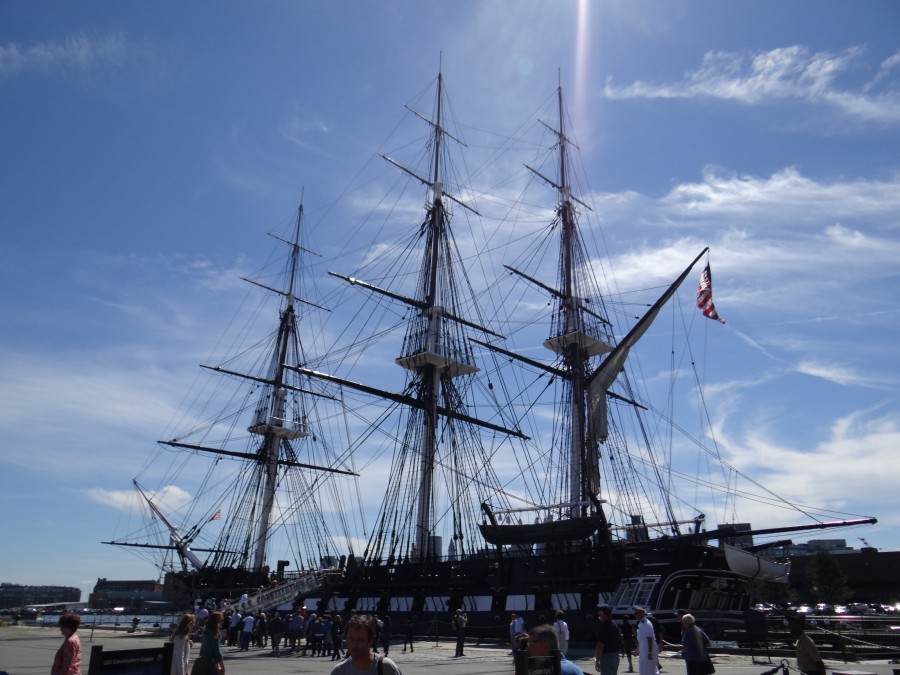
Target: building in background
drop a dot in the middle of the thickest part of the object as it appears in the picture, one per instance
(17, 595)
(129, 595)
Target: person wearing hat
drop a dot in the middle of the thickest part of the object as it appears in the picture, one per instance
(808, 659)
(458, 624)
(647, 649)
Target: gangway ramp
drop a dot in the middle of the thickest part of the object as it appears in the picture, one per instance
(286, 591)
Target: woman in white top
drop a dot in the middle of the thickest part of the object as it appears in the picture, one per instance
(561, 628)
(181, 650)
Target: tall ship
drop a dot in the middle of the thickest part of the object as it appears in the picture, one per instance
(514, 460)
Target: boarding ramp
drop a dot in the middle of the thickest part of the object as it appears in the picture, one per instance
(286, 591)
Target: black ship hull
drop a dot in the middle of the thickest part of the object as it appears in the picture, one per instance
(533, 585)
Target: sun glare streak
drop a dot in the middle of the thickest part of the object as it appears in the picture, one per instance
(579, 97)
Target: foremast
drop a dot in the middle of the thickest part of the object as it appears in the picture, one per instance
(272, 423)
(280, 417)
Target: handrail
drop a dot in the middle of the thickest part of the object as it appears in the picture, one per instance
(288, 590)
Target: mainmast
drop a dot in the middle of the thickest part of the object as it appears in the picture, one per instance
(428, 355)
(438, 442)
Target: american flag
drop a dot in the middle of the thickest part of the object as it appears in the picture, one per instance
(704, 296)
(216, 516)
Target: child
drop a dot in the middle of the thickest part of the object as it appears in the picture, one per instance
(68, 656)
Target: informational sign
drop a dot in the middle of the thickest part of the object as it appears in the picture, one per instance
(154, 661)
(536, 665)
(543, 665)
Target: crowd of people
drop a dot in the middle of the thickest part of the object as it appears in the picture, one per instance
(304, 633)
(615, 643)
(300, 633)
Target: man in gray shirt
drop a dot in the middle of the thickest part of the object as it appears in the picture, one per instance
(360, 641)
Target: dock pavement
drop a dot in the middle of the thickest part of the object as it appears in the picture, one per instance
(29, 650)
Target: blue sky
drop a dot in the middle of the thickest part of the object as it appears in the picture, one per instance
(147, 148)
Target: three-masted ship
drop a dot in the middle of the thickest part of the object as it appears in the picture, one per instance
(513, 473)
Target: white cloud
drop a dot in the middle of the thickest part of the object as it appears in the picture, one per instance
(810, 476)
(169, 499)
(776, 231)
(787, 73)
(835, 372)
(80, 53)
(786, 193)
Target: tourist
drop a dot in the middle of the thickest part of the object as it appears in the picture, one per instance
(694, 645)
(378, 625)
(647, 649)
(210, 647)
(808, 660)
(561, 628)
(387, 629)
(660, 634)
(408, 634)
(296, 630)
(225, 628)
(247, 631)
(327, 625)
(276, 632)
(68, 657)
(317, 634)
(261, 631)
(458, 625)
(181, 645)
(607, 642)
(337, 637)
(627, 641)
(362, 660)
(234, 628)
(542, 642)
(201, 617)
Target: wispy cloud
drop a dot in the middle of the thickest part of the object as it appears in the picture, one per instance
(306, 130)
(788, 73)
(170, 498)
(809, 475)
(834, 372)
(80, 53)
(722, 193)
(786, 222)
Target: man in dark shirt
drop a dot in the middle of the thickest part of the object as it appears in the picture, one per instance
(608, 642)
